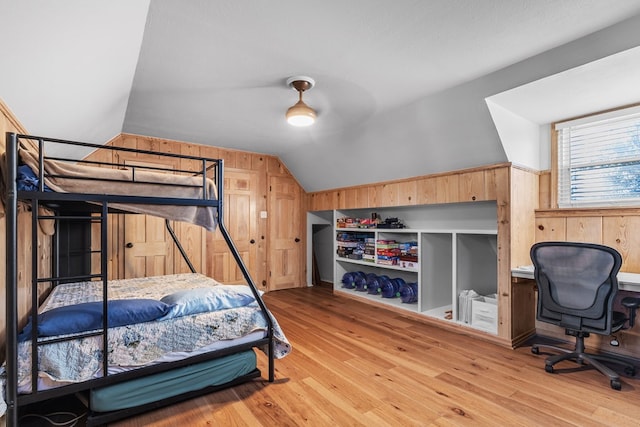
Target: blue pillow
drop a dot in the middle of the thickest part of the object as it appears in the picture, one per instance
(27, 180)
(212, 298)
(87, 316)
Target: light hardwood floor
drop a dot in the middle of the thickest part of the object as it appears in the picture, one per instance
(354, 364)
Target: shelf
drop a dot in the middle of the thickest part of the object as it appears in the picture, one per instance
(394, 302)
(439, 312)
(374, 264)
(456, 250)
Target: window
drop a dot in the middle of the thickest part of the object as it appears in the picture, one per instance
(599, 160)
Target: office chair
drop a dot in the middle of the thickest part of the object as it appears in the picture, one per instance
(577, 284)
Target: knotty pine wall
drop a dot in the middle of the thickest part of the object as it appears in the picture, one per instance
(196, 243)
(9, 123)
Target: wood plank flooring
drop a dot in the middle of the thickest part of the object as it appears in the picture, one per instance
(355, 364)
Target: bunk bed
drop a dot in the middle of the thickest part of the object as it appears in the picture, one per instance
(129, 345)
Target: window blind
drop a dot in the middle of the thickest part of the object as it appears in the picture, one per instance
(599, 160)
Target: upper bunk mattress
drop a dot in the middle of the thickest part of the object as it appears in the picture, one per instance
(67, 177)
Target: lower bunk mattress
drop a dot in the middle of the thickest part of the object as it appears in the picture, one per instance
(195, 323)
(152, 388)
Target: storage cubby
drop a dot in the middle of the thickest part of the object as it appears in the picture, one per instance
(436, 274)
(477, 272)
(456, 249)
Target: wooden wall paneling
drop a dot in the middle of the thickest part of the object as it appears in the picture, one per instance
(350, 198)
(447, 190)
(327, 199)
(551, 229)
(320, 201)
(524, 202)
(389, 194)
(490, 183)
(584, 229)
(408, 193)
(244, 160)
(210, 152)
(471, 186)
(545, 190)
(356, 197)
(275, 166)
(259, 165)
(9, 123)
(621, 232)
(158, 145)
(375, 196)
(427, 189)
(312, 202)
(503, 219)
(229, 157)
(337, 199)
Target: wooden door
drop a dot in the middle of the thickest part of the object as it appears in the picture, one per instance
(241, 221)
(148, 248)
(286, 244)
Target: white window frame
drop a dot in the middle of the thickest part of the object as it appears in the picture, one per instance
(598, 178)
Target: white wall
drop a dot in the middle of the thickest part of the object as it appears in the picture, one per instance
(449, 130)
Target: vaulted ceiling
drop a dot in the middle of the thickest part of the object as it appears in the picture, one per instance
(400, 86)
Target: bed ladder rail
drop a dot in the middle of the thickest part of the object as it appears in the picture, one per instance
(184, 254)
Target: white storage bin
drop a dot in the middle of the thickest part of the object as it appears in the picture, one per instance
(484, 313)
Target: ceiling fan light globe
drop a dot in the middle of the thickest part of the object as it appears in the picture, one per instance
(301, 115)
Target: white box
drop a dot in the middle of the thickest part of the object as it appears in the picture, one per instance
(484, 313)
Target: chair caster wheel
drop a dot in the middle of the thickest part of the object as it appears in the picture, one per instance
(549, 368)
(615, 384)
(630, 370)
(535, 350)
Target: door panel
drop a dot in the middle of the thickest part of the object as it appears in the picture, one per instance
(148, 247)
(241, 221)
(285, 234)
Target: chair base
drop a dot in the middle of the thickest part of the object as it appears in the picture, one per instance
(581, 358)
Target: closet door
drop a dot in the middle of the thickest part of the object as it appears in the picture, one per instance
(148, 248)
(241, 220)
(286, 243)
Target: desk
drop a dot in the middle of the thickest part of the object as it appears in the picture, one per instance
(626, 281)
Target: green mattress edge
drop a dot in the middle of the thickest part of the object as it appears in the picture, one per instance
(162, 385)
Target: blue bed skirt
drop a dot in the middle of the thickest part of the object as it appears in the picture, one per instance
(141, 391)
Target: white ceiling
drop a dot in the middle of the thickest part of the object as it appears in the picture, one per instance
(390, 76)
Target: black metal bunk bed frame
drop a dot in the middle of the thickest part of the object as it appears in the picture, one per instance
(99, 203)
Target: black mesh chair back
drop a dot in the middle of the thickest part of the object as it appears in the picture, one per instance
(577, 284)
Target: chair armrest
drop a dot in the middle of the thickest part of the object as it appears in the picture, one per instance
(632, 304)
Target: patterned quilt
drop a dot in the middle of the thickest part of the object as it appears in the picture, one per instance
(143, 343)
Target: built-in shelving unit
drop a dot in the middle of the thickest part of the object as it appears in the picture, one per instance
(456, 248)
